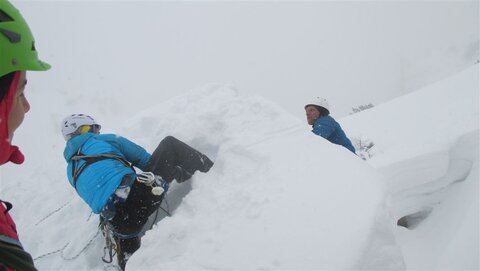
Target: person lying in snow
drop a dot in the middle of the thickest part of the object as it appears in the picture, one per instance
(100, 168)
(17, 55)
(318, 115)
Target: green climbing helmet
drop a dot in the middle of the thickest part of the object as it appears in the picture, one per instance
(17, 47)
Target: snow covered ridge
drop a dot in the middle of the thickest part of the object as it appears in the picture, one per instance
(278, 196)
(427, 146)
(427, 120)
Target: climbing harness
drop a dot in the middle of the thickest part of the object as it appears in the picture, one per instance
(158, 185)
(90, 159)
(110, 249)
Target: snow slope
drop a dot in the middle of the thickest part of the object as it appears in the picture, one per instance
(278, 196)
(427, 149)
(427, 146)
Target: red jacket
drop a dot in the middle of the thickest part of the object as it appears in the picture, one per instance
(8, 152)
(12, 254)
(8, 231)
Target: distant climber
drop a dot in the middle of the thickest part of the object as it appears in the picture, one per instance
(318, 115)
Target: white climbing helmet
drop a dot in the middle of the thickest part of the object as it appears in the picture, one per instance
(72, 123)
(319, 101)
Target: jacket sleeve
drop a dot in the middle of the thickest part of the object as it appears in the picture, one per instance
(323, 128)
(15, 258)
(135, 154)
(12, 256)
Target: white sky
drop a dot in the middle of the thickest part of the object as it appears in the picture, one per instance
(352, 53)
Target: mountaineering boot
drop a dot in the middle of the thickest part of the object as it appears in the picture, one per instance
(203, 165)
(206, 163)
(125, 249)
(173, 159)
(181, 174)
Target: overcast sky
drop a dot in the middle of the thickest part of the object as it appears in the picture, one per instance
(288, 52)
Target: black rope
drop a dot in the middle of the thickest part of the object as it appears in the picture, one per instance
(161, 208)
(168, 208)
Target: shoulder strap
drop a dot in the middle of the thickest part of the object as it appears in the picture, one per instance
(90, 159)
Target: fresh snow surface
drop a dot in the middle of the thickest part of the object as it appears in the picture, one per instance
(273, 196)
(278, 197)
(427, 147)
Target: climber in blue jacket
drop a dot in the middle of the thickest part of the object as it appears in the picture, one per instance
(101, 169)
(318, 115)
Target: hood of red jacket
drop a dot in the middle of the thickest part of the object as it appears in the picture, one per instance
(8, 152)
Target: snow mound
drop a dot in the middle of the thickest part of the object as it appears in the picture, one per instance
(275, 199)
(428, 120)
(278, 196)
(427, 147)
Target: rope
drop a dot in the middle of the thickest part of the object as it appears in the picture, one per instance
(65, 246)
(90, 216)
(158, 209)
(83, 249)
(51, 253)
(168, 208)
(61, 251)
(53, 212)
(110, 245)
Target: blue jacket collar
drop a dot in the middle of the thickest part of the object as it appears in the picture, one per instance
(74, 144)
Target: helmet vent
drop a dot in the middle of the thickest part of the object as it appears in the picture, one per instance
(4, 17)
(11, 36)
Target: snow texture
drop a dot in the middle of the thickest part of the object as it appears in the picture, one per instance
(279, 197)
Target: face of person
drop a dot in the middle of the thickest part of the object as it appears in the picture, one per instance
(312, 114)
(20, 106)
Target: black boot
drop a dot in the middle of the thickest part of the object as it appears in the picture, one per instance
(173, 159)
(206, 163)
(181, 174)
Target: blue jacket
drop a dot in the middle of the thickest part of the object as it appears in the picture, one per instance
(329, 129)
(99, 180)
